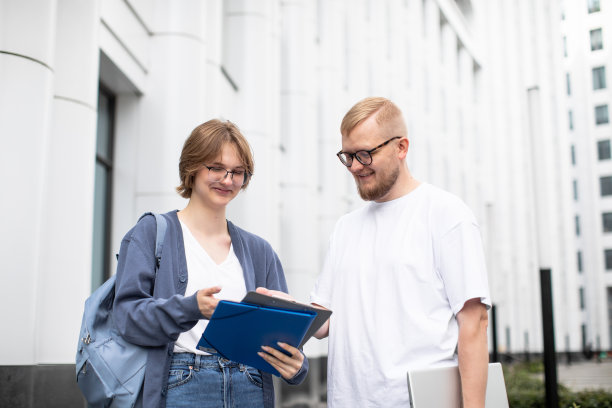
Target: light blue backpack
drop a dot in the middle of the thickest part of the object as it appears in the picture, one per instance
(109, 369)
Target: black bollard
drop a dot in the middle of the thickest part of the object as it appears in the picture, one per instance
(495, 356)
(550, 359)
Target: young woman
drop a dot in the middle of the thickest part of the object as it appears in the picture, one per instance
(205, 258)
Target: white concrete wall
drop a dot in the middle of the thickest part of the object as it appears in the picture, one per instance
(26, 104)
(285, 72)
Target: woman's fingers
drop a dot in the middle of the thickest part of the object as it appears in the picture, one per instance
(287, 366)
(206, 300)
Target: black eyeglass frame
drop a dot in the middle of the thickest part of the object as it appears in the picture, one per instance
(247, 175)
(349, 163)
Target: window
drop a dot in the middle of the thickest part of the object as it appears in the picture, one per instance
(599, 78)
(577, 222)
(573, 154)
(596, 39)
(593, 6)
(102, 189)
(575, 184)
(606, 219)
(581, 297)
(603, 150)
(579, 261)
(568, 85)
(610, 315)
(570, 118)
(608, 256)
(565, 46)
(605, 185)
(601, 115)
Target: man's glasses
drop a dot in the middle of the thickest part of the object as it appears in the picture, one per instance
(217, 174)
(363, 156)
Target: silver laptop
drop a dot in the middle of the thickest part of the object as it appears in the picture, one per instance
(440, 387)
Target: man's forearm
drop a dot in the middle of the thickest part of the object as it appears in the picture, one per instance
(473, 356)
(323, 331)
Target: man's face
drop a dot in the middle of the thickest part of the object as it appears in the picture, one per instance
(374, 181)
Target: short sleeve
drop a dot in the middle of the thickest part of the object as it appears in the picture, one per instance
(462, 266)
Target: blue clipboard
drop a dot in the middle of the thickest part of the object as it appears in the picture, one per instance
(236, 331)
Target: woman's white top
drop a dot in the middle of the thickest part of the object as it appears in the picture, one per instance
(203, 272)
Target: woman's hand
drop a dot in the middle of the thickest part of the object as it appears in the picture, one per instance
(287, 366)
(206, 301)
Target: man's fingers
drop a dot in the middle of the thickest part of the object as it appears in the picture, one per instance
(274, 293)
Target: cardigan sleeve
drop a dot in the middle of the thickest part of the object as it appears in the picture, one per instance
(139, 317)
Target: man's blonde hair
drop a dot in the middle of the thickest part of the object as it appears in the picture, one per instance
(362, 110)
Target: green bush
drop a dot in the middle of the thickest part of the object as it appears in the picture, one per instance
(525, 389)
(587, 399)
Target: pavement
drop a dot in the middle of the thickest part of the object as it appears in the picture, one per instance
(585, 375)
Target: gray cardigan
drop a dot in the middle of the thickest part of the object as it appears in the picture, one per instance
(156, 320)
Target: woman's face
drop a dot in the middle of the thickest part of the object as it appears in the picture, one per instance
(214, 188)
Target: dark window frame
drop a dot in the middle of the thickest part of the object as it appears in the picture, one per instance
(600, 118)
(604, 149)
(596, 39)
(599, 77)
(107, 163)
(608, 259)
(606, 222)
(605, 186)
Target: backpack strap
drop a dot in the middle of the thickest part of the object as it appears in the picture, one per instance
(159, 238)
(162, 225)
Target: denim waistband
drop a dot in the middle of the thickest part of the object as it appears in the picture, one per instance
(199, 360)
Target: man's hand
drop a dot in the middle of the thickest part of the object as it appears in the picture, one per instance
(473, 352)
(206, 301)
(323, 331)
(274, 293)
(319, 334)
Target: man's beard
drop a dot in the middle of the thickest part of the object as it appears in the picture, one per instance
(381, 188)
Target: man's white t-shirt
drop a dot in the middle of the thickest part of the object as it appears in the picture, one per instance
(203, 272)
(395, 275)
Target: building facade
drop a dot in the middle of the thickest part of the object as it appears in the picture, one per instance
(587, 61)
(97, 97)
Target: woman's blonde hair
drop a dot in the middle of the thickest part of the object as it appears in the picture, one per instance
(205, 144)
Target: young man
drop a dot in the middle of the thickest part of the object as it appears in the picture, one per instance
(405, 275)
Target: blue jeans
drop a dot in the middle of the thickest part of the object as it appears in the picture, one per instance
(212, 382)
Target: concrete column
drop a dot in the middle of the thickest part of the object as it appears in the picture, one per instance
(217, 86)
(431, 93)
(357, 82)
(471, 153)
(173, 102)
(414, 109)
(332, 174)
(26, 92)
(65, 264)
(251, 59)
(300, 159)
(449, 139)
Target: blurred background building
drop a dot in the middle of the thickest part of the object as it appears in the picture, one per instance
(506, 105)
(587, 61)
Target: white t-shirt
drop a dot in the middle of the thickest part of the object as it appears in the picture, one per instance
(203, 272)
(395, 275)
